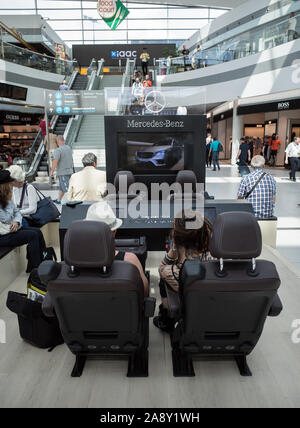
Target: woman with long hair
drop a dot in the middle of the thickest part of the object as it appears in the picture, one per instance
(189, 241)
(12, 234)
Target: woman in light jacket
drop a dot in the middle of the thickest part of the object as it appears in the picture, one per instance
(28, 203)
(12, 234)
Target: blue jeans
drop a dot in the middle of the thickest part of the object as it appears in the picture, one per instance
(215, 159)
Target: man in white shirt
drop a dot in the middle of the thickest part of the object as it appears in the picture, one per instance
(292, 154)
(291, 28)
(89, 184)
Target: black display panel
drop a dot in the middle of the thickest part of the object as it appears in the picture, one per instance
(163, 153)
(13, 92)
(155, 148)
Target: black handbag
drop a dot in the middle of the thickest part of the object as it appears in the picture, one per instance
(46, 210)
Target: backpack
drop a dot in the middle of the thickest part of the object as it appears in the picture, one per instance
(220, 147)
(36, 291)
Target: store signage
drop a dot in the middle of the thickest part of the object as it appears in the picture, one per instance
(123, 54)
(284, 106)
(107, 8)
(113, 12)
(18, 118)
(293, 104)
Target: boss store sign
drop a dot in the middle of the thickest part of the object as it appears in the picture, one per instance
(112, 53)
(284, 105)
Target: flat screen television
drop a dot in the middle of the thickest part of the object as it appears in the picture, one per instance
(157, 153)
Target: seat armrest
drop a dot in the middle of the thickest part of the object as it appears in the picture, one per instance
(149, 306)
(174, 306)
(47, 307)
(276, 307)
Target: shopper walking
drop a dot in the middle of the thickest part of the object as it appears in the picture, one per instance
(244, 154)
(214, 151)
(63, 164)
(292, 155)
(145, 57)
(208, 154)
(274, 144)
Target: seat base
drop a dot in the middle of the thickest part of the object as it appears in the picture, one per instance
(182, 364)
(138, 364)
(79, 366)
(241, 362)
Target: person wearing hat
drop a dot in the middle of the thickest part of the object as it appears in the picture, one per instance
(25, 196)
(102, 211)
(11, 232)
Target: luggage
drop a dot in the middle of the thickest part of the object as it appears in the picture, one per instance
(244, 170)
(34, 326)
(36, 291)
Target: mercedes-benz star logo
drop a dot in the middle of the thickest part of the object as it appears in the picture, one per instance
(155, 101)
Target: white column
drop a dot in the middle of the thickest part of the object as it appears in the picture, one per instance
(237, 132)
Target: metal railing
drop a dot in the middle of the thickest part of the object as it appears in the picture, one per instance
(27, 58)
(126, 83)
(245, 44)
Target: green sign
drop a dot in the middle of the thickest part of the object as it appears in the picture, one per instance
(113, 12)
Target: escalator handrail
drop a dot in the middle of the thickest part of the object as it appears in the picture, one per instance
(76, 121)
(100, 66)
(33, 155)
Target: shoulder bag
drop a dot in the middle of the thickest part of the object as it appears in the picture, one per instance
(46, 210)
(255, 185)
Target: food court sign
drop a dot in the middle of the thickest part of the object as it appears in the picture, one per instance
(113, 12)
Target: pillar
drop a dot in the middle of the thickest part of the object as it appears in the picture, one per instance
(237, 132)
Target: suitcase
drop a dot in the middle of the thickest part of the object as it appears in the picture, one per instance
(244, 170)
(34, 326)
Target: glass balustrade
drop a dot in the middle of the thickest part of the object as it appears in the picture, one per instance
(256, 40)
(27, 58)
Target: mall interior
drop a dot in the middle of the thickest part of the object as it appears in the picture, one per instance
(123, 124)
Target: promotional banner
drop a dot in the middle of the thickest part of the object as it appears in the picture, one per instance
(113, 12)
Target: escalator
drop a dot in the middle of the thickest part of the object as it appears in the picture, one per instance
(37, 156)
(91, 132)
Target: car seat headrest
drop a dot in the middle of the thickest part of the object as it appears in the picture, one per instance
(89, 244)
(186, 177)
(236, 235)
(130, 179)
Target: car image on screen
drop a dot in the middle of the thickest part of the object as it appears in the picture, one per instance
(165, 153)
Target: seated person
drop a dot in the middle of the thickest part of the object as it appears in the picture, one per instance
(263, 196)
(188, 243)
(25, 196)
(12, 234)
(89, 184)
(101, 211)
